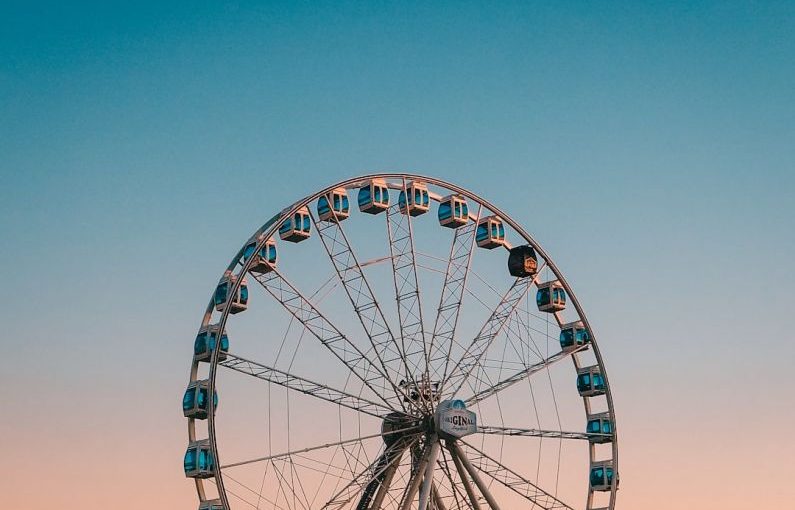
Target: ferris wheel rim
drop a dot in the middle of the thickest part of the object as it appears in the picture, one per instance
(269, 229)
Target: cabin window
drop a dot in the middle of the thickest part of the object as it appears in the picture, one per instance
(200, 345)
(542, 297)
(187, 399)
(220, 293)
(598, 381)
(190, 460)
(205, 460)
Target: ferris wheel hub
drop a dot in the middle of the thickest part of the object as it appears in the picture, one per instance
(453, 420)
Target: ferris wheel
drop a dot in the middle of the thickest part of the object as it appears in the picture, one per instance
(393, 358)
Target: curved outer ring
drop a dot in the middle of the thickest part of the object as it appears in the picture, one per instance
(270, 228)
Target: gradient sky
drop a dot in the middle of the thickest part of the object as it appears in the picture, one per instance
(648, 146)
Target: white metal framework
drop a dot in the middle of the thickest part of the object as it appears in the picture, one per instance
(396, 364)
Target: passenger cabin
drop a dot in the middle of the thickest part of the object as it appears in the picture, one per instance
(237, 302)
(601, 425)
(490, 232)
(204, 345)
(296, 228)
(211, 504)
(418, 200)
(195, 399)
(522, 261)
(573, 335)
(374, 197)
(334, 205)
(264, 258)
(198, 461)
(551, 297)
(602, 476)
(590, 381)
(453, 211)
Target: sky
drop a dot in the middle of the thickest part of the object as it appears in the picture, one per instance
(648, 146)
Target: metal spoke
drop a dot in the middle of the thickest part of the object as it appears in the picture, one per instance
(383, 484)
(427, 482)
(438, 502)
(291, 490)
(320, 447)
(512, 480)
(457, 496)
(328, 334)
(518, 376)
(417, 473)
(392, 454)
(407, 290)
(452, 297)
(305, 386)
(557, 434)
(464, 477)
(362, 299)
(493, 326)
(259, 495)
(458, 455)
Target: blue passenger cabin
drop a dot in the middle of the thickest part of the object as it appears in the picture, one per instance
(590, 381)
(490, 232)
(601, 426)
(374, 197)
(453, 211)
(334, 205)
(295, 228)
(418, 199)
(551, 297)
(198, 461)
(573, 336)
(264, 258)
(194, 401)
(211, 504)
(522, 261)
(602, 476)
(237, 302)
(204, 345)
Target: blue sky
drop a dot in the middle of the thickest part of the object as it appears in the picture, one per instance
(650, 147)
